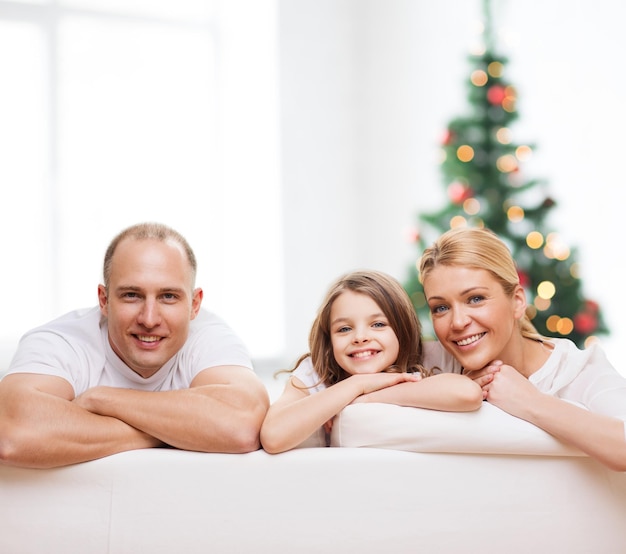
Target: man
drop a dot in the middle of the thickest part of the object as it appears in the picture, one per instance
(146, 368)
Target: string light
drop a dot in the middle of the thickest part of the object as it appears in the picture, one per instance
(565, 326)
(551, 323)
(546, 290)
(465, 153)
(534, 240)
(506, 163)
(561, 325)
(458, 221)
(471, 206)
(504, 135)
(555, 248)
(479, 78)
(495, 69)
(523, 153)
(508, 104)
(515, 214)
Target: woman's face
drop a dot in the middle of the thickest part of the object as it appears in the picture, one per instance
(361, 337)
(472, 316)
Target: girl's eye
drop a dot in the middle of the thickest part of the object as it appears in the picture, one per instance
(344, 329)
(379, 324)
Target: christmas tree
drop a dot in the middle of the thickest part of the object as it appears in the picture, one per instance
(482, 171)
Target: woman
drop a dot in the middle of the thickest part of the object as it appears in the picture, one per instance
(478, 311)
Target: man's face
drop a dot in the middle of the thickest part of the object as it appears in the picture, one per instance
(149, 302)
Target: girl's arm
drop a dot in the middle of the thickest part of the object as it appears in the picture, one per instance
(600, 436)
(450, 392)
(296, 415)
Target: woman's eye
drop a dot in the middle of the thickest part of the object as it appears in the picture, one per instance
(476, 299)
(438, 309)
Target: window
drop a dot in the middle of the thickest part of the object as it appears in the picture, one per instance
(115, 112)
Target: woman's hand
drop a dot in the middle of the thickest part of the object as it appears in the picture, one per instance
(508, 389)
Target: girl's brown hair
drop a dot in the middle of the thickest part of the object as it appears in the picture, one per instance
(394, 302)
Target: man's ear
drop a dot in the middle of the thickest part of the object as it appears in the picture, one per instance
(103, 300)
(196, 302)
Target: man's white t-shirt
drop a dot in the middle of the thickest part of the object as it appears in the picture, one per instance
(76, 347)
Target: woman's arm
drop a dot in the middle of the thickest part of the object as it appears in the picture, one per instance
(296, 415)
(600, 436)
(448, 392)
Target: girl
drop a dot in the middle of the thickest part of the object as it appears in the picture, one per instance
(478, 311)
(365, 346)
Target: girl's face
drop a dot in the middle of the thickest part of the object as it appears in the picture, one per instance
(362, 339)
(472, 316)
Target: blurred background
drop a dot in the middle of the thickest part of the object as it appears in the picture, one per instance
(289, 140)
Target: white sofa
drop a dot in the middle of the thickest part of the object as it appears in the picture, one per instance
(350, 499)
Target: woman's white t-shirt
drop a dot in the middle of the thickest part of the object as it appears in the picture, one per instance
(584, 377)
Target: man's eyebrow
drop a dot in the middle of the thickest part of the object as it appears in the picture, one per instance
(127, 287)
(178, 290)
(134, 288)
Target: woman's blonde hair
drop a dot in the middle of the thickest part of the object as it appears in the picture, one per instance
(477, 249)
(394, 302)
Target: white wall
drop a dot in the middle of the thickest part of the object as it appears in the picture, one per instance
(367, 88)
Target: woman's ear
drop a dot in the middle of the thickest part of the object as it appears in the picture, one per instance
(519, 302)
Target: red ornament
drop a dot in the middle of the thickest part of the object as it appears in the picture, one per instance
(585, 323)
(459, 193)
(496, 95)
(524, 279)
(413, 235)
(448, 137)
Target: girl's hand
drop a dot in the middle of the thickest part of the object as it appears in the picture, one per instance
(370, 382)
(381, 381)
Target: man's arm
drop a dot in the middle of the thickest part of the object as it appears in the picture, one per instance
(41, 427)
(222, 411)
